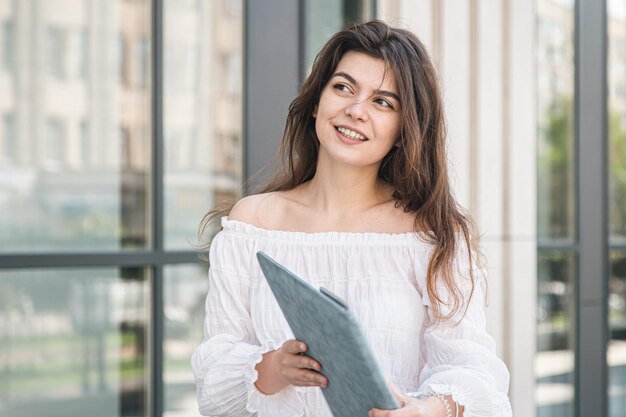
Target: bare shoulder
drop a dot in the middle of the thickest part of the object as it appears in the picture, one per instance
(393, 219)
(257, 209)
(246, 210)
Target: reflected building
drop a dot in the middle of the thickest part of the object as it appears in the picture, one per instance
(555, 54)
(75, 147)
(76, 158)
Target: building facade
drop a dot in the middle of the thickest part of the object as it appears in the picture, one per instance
(123, 122)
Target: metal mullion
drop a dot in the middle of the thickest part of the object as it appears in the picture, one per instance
(592, 196)
(269, 88)
(156, 357)
(544, 246)
(125, 259)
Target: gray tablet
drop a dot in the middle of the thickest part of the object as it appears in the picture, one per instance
(335, 339)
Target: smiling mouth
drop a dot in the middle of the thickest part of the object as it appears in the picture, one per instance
(351, 134)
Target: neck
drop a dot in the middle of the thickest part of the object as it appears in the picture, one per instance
(341, 190)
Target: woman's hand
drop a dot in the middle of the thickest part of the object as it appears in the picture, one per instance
(411, 407)
(288, 365)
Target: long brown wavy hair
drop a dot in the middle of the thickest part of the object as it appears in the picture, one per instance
(417, 169)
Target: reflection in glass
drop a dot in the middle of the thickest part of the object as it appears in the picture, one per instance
(185, 288)
(63, 186)
(7, 43)
(616, 80)
(73, 342)
(554, 363)
(556, 208)
(325, 17)
(555, 95)
(203, 112)
(617, 119)
(7, 150)
(616, 355)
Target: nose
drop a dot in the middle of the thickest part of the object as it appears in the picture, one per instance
(357, 110)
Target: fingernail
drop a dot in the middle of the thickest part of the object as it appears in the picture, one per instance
(302, 346)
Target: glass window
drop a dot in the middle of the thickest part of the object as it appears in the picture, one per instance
(555, 54)
(58, 204)
(554, 363)
(74, 342)
(617, 120)
(322, 18)
(185, 289)
(616, 74)
(7, 44)
(616, 355)
(80, 53)
(85, 154)
(202, 117)
(56, 51)
(8, 138)
(142, 59)
(124, 61)
(556, 209)
(233, 74)
(55, 142)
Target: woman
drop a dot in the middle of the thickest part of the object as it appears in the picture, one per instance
(361, 206)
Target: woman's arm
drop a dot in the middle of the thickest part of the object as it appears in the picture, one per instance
(224, 364)
(459, 356)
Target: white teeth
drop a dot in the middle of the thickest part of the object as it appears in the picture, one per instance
(351, 133)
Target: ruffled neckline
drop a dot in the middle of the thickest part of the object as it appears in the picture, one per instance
(248, 229)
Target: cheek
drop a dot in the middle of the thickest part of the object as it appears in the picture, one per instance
(392, 128)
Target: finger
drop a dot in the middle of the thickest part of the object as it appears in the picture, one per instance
(295, 347)
(301, 362)
(301, 376)
(399, 396)
(375, 412)
(309, 363)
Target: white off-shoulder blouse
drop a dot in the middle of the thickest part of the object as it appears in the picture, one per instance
(382, 278)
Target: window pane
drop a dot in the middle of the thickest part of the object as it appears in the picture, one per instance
(69, 180)
(322, 18)
(616, 355)
(7, 150)
(617, 118)
(554, 363)
(203, 112)
(555, 95)
(73, 342)
(616, 78)
(185, 289)
(7, 42)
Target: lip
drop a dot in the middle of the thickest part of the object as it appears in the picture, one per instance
(347, 139)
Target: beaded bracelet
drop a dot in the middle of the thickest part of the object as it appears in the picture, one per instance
(446, 404)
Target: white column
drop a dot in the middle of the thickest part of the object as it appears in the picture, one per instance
(522, 206)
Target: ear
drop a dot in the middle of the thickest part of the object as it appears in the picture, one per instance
(315, 111)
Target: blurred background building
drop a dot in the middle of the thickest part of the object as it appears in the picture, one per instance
(122, 122)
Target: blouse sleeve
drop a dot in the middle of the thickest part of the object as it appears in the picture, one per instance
(224, 363)
(459, 355)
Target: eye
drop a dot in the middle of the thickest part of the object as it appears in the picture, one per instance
(341, 87)
(383, 102)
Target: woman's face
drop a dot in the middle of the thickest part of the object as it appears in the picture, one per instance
(358, 115)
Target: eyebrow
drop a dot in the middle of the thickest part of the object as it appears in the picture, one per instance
(379, 92)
